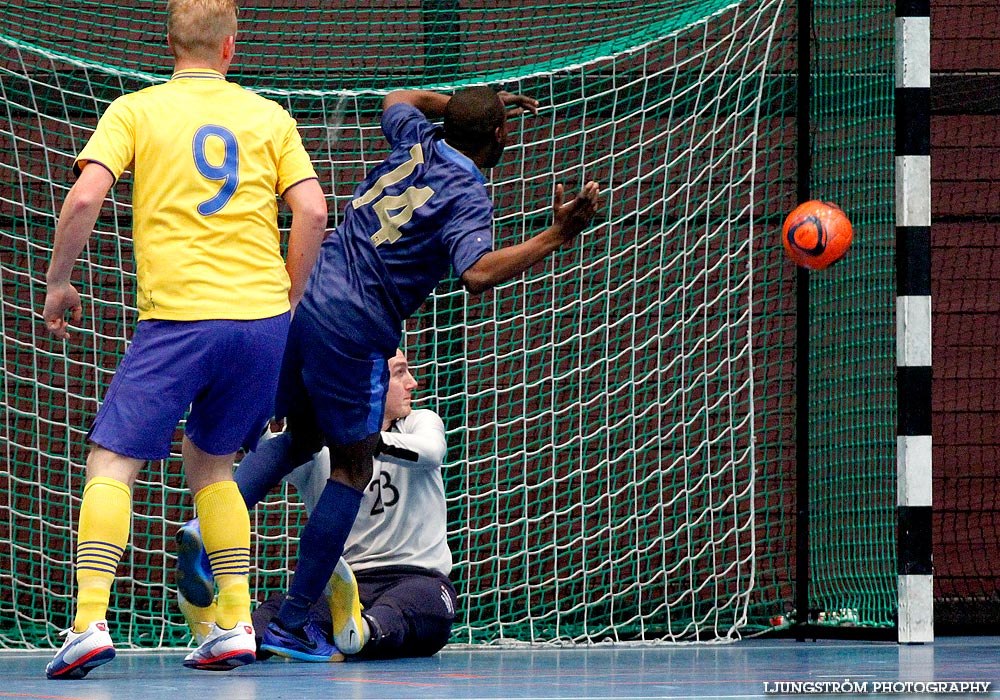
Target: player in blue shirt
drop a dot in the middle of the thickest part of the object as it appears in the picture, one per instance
(424, 209)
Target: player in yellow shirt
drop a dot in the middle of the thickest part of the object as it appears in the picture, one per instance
(214, 296)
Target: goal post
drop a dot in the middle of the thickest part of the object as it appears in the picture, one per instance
(620, 460)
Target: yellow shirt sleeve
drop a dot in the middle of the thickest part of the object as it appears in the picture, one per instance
(113, 142)
(294, 164)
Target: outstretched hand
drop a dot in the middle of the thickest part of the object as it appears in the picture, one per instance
(58, 300)
(574, 216)
(518, 104)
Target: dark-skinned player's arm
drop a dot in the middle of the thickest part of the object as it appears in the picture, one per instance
(568, 220)
(432, 104)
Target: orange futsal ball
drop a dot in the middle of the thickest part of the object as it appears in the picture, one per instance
(816, 234)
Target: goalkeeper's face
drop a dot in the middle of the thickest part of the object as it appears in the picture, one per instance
(400, 391)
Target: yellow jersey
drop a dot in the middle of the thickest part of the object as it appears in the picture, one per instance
(207, 159)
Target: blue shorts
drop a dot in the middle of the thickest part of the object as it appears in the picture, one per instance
(225, 371)
(328, 389)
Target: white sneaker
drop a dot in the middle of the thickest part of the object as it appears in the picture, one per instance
(81, 652)
(224, 650)
(345, 609)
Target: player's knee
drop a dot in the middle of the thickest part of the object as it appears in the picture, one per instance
(362, 475)
(352, 463)
(435, 637)
(303, 445)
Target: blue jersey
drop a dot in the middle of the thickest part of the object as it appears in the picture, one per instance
(422, 210)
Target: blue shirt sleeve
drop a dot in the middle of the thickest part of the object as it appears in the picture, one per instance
(469, 234)
(405, 123)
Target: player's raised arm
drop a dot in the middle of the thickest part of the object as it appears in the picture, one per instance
(568, 220)
(432, 104)
(424, 447)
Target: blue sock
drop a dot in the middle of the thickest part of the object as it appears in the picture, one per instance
(263, 469)
(320, 546)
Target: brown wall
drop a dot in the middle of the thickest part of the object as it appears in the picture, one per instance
(965, 145)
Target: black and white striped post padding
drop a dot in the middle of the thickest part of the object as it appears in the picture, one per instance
(913, 321)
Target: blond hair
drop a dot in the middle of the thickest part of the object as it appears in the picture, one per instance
(198, 27)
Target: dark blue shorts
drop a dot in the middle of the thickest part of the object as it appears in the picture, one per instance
(225, 371)
(326, 387)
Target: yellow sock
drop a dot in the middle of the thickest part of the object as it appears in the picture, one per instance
(105, 519)
(234, 595)
(225, 531)
(199, 620)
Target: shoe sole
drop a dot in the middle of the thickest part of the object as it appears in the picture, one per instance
(348, 635)
(83, 665)
(192, 582)
(301, 655)
(225, 662)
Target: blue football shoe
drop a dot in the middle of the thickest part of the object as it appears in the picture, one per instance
(194, 572)
(305, 644)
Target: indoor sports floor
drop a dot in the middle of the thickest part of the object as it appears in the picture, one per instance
(747, 669)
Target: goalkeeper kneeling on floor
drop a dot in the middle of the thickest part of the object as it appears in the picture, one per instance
(390, 595)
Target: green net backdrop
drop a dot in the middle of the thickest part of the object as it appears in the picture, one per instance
(852, 339)
(620, 421)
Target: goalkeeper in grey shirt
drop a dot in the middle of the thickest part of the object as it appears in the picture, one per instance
(396, 561)
(398, 547)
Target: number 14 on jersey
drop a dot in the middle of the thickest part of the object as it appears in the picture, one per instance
(394, 211)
